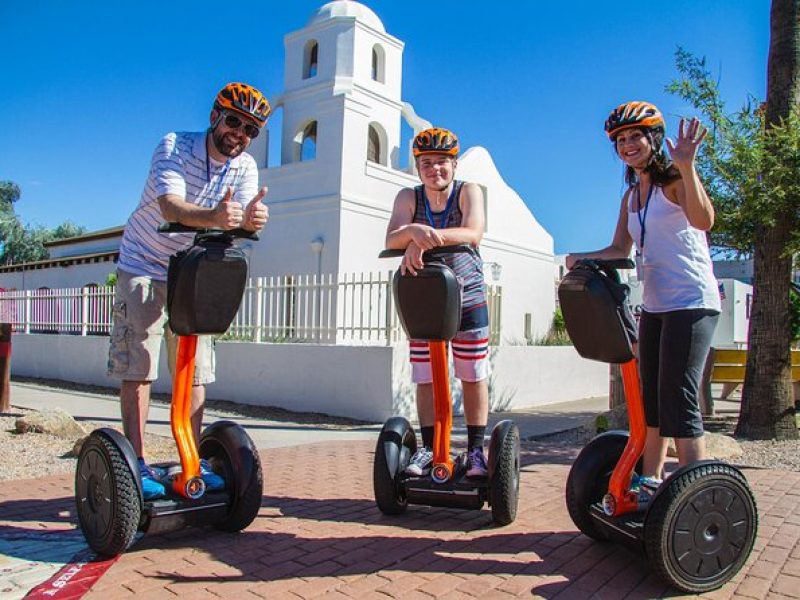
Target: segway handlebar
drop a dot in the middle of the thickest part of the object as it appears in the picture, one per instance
(610, 267)
(173, 227)
(601, 263)
(428, 254)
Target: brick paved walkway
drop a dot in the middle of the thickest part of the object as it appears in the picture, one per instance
(319, 535)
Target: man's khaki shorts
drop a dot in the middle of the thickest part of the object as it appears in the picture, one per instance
(140, 323)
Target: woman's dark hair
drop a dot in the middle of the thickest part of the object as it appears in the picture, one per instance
(660, 168)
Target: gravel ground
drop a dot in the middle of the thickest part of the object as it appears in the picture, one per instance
(31, 455)
(764, 454)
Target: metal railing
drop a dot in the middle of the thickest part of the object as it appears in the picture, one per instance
(351, 309)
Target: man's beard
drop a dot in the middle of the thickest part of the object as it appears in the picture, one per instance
(226, 148)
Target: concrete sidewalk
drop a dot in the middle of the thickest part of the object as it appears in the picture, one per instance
(266, 433)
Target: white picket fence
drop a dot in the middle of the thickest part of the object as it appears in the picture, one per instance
(350, 309)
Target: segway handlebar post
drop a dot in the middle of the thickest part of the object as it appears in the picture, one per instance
(188, 482)
(620, 499)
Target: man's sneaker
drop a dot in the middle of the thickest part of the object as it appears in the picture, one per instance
(646, 486)
(151, 487)
(212, 480)
(420, 463)
(477, 463)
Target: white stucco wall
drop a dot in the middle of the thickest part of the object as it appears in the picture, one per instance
(369, 383)
(734, 320)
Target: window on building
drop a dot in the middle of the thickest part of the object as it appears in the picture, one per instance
(308, 143)
(310, 58)
(374, 145)
(378, 64)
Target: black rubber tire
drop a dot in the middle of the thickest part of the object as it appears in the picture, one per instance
(504, 486)
(389, 497)
(701, 527)
(107, 499)
(233, 454)
(588, 479)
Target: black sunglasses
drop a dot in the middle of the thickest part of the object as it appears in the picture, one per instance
(234, 122)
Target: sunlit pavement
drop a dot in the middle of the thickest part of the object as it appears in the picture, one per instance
(319, 535)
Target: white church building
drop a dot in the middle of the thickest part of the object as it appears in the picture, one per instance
(340, 118)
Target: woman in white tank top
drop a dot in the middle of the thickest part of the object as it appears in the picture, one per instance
(666, 213)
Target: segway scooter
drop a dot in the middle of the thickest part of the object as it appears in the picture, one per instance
(204, 289)
(698, 528)
(429, 306)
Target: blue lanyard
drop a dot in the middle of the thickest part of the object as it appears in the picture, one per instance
(642, 217)
(217, 187)
(445, 214)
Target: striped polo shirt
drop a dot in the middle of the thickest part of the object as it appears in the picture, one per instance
(468, 266)
(180, 166)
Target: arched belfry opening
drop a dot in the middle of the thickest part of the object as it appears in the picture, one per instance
(310, 59)
(305, 143)
(378, 70)
(377, 144)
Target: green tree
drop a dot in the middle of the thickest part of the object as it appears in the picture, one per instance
(750, 165)
(9, 223)
(9, 193)
(25, 243)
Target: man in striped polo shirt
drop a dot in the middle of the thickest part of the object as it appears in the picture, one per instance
(443, 212)
(200, 179)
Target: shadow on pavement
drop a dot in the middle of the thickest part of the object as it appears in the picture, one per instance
(450, 541)
(267, 557)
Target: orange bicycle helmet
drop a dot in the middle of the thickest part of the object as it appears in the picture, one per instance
(435, 141)
(245, 100)
(633, 114)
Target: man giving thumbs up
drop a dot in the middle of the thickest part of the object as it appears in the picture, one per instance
(202, 179)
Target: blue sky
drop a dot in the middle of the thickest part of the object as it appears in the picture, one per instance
(90, 87)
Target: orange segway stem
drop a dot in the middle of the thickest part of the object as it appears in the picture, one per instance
(443, 413)
(188, 482)
(622, 499)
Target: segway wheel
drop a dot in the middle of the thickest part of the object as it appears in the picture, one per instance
(232, 453)
(588, 479)
(504, 482)
(701, 527)
(107, 498)
(396, 444)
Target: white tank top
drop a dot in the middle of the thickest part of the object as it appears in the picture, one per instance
(677, 272)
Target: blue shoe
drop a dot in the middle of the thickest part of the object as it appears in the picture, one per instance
(151, 487)
(213, 481)
(646, 487)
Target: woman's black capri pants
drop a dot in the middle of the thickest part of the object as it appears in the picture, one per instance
(673, 347)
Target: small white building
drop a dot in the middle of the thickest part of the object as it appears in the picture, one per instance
(331, 196)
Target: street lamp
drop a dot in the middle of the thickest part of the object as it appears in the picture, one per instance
(496, 270)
